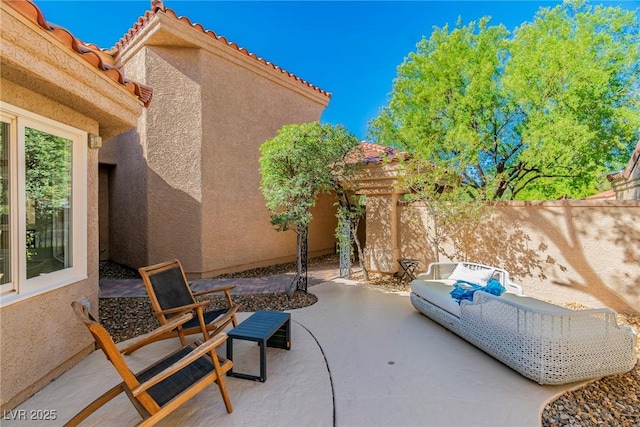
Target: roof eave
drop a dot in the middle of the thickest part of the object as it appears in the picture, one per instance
(37, 60)
(165, 28)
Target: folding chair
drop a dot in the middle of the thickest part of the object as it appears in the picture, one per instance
(171, 296)
(164, 386)
(408, 267)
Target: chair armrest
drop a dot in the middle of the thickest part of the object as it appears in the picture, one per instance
(167, 327)
(198, 352)
(217, 289)
(185, 308)
(226, 316)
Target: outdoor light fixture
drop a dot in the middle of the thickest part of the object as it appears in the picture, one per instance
(95, 141)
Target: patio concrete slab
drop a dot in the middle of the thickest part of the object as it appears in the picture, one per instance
(297, 390)
(392, 366)
(388, 365)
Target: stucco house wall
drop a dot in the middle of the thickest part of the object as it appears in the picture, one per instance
(565, 251)
(186, 182)
(40, 336)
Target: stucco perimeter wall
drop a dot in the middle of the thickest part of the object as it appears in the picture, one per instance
(564, 251)
(41, 337)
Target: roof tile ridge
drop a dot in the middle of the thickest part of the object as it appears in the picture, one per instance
(139, 24)
(377, 153)
(377, 146)
(143, 20)
(32, 12)
(243, 50)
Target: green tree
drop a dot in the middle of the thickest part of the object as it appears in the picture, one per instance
(48, 172)
(47, 190)
(299, 163)
(543, 113)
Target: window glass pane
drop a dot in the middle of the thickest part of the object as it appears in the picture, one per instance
(48, 202)
(5, 187)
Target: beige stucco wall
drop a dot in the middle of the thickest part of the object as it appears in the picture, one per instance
(563, 251)
(190, 173)
(569, 251)
(174, 156)
(380, 185)
(128, 205)
(40, 337)
(104, 173)
(240, 112)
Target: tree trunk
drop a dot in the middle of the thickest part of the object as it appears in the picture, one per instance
(354, 235)
(345, 248)
(300, 281)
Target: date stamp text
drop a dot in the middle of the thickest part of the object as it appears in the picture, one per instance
(30, 414)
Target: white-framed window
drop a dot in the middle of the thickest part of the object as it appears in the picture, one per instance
(43, 204)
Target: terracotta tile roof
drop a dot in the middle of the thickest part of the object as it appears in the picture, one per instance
(97, 58)
(376, 153)
(635, 158)
(615, 176)
(158, 7)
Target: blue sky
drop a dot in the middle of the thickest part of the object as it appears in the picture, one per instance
(349, 48)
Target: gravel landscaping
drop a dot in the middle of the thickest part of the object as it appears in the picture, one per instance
(126, 318)
(611, 401)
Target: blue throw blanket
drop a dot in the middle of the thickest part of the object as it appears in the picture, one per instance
(464, 290)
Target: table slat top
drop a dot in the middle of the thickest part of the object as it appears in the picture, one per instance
(260, 325)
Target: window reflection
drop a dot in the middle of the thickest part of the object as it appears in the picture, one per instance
(48, 202)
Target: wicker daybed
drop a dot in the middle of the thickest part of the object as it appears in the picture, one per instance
(542, 341)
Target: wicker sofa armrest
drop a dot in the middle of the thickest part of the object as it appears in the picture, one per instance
(552, 323)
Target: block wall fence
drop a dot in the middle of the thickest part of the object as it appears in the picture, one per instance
(584, 251)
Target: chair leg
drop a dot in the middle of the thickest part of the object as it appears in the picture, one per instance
(183, 341)
(222, 385)
(234, 320)
(227, 295)
(203, 325)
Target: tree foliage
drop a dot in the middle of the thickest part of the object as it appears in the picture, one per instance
(299, 163)
(542, 113)
(48, 172)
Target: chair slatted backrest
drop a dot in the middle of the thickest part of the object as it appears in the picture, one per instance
(169, 286)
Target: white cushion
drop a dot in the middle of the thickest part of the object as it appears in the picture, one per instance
(437, 293)
(478, 277)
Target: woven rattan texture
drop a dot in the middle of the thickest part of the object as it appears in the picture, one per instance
(548, 347)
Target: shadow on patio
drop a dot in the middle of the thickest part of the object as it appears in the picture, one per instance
(359, 356)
